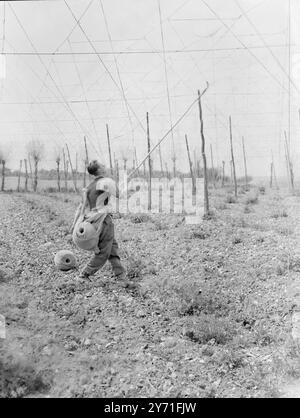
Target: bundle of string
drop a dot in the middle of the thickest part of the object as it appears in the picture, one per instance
(65, 260)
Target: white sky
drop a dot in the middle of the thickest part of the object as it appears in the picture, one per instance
(251, 85)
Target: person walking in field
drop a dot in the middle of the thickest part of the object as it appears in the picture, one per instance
(93, 228)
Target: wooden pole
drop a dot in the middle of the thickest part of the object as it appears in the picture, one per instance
(206, 201)
(191, 165)
(19, 175)
(160, 160)
(36, 163)
(86, 152)
(271, 176)
(286, 162)
(149, 164)
(289, 163)
(65, 171)
(174, 165)
(3, 176)
(136, 161)
(58, 172)
(86, 162)
(26, 175)
(117, 169)
(198, 168)
(72, 170)
(109, 150)
(274, 172)
(245, 162)
(232, 158)
(223, 173)
(292, 174)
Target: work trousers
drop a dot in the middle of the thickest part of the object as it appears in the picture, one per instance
(108, 251)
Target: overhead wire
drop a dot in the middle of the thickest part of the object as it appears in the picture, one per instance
(85, 98)
(118, 74)
(111, 100)
(166, 80)
(143, 52)
(102, 62)
(245, 15)
(242, 43)
(66, 39)
(48, 118)
(36, 100)
(51, 77)
(3, 44)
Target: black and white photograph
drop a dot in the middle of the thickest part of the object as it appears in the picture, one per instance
(150, 202)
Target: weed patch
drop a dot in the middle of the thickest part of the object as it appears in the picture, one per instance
(230, 200)
(252, 200)
(211, 329)
(18, 380)
(135, 267)
(138, 219)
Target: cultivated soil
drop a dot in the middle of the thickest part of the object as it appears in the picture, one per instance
(211, 314)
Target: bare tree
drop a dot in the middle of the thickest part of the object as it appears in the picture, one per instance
(31, 172)
(35, 150)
